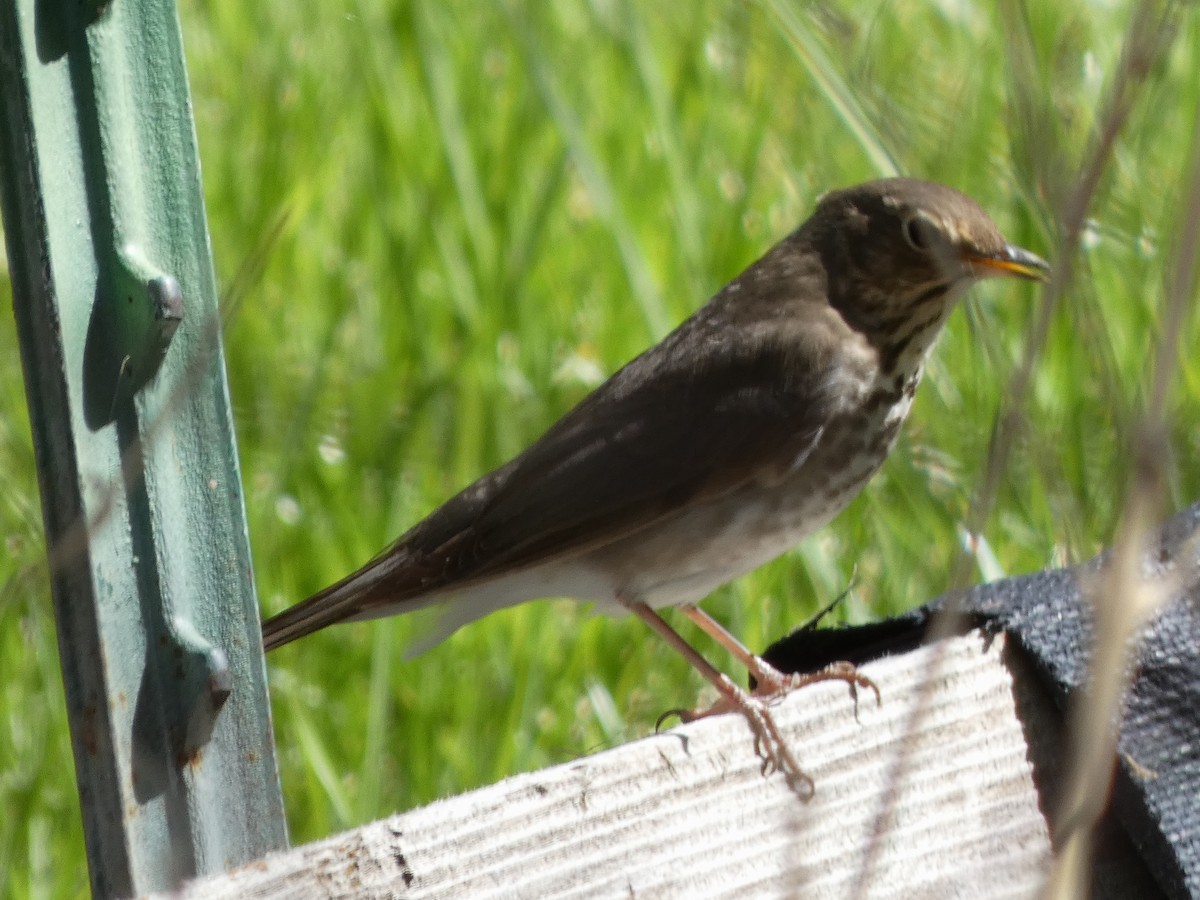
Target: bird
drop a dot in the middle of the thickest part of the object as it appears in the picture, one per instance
(745, 429)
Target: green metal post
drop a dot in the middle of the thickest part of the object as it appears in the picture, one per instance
(149, 559)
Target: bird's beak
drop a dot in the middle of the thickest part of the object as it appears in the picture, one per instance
(1009, 261)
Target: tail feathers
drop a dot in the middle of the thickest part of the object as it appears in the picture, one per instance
(367, 593)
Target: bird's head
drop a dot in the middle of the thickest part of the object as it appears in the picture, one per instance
(900, 252)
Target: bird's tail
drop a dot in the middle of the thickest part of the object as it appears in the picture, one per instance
(367, 593)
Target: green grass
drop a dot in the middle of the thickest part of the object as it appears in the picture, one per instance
(488, 209)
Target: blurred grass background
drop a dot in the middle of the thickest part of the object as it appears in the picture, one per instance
(488, 207)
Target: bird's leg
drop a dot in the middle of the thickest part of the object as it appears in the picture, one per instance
(769, 743)
(771, 683)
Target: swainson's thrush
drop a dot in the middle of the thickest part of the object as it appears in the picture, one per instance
(747, 428)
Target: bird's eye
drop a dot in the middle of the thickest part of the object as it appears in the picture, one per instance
(920, 232)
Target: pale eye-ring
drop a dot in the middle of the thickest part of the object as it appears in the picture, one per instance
(920, 232)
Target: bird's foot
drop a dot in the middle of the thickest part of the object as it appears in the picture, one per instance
(771, 686)
(769, 742)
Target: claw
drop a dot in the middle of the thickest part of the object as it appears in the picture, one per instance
(685, 716)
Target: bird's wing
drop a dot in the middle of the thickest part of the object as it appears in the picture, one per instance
(672, 427)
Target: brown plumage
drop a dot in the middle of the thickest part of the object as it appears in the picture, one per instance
(748, 427)
(743, 430)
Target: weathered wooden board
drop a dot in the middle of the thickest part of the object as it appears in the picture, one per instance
(937, 805)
